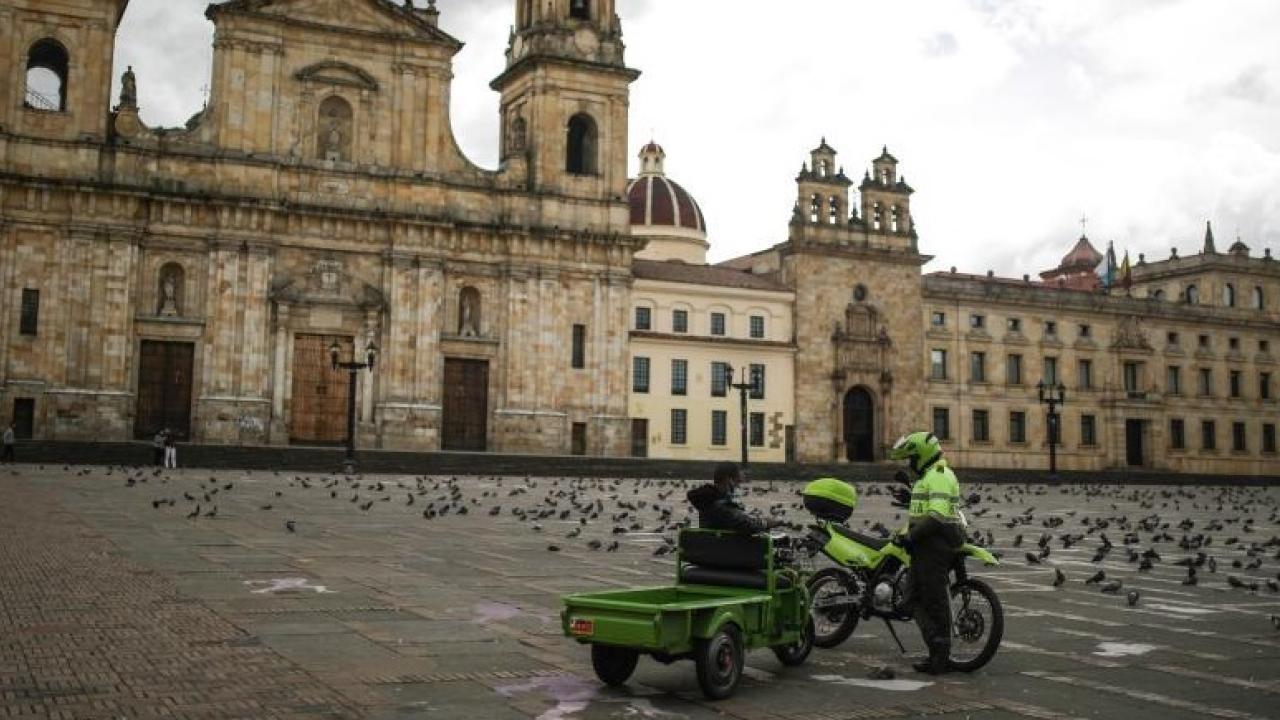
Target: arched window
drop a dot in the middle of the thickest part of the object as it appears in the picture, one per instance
(581, 147)
(833, 210)
(334, 130)
(822, 168)
(893, 218)
(1157, 295)
(47, 68)
(580, 9)
(526, 13)
(1193, 295)
(815, 208)
(1259, 300)
(1229, 295)
(877, 216)
(169, 291)
(469, 312)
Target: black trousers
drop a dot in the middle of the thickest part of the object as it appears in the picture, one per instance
(931, 561)
(157, 456)
(7, 454)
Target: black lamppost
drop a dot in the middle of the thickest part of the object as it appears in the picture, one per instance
(1053, 397)
(742, 389)
(353, 368)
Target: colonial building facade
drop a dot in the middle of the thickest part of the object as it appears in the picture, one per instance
(196, 278)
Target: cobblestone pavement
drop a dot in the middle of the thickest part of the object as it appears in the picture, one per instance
(115, 603)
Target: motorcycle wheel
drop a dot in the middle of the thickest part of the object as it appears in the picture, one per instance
(797, 652)
(977, 620)
(613, 665)
(719, 660)
(831, 627)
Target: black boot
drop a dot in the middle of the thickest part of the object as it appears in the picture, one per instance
(936, 664)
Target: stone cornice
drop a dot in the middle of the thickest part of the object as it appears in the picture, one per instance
(684, 338)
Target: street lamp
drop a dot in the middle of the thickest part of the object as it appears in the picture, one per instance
(742, 389)
(353, 368)
(1053, 397)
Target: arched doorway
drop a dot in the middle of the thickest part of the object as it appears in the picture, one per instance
(859, 425)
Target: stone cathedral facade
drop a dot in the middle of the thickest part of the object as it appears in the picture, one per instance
(196, 278)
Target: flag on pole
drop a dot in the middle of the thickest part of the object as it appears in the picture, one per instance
(1107, 268)
(1126, 272)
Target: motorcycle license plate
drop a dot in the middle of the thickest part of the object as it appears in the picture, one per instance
(582, 628)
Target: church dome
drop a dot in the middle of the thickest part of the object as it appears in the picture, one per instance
(665, 213)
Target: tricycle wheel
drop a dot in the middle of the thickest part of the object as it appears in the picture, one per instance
(613, 665)
(719, 660)
(797, 652)
(832, 626)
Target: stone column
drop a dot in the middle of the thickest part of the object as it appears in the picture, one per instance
(279, 431)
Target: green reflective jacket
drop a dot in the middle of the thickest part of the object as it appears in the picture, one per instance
(936, 495)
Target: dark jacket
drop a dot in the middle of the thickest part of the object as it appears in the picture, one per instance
(719, 511)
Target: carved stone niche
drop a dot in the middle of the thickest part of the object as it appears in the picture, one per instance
(327, 283)
(1129, 336)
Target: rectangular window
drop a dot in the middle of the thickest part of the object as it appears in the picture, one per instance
(1239, 440)
(1264, 346)
(1235, 383)
(679, 377)
(1051, 371)
(1208, 435)
(1017, 427)
(717, 323)
(680, 321)
(978, 322)
(1050, 328)
(30, 312)
(1264, 386)
(978, 367)
(1013, 370)
(981, 426)
(757, 382)
(1084, 373)
(938, 319)
(1177, 434)
(719, 379)
(640, 375)
(942, 423)
(1204, 342)
(1088, 431)
(1172, 338)
(579, 347)
(1268, 437)
(1206, 382)
(579, 439)
(1131, 384)
(757, 429)
(1173, 380)
(938, 360)
(719, 428)
(1233, 343)
(757, 327)
(679, 427)
(1015, 325)
(1086, 331)
(644, 318)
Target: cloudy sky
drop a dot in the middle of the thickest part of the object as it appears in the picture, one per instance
(1012, 118)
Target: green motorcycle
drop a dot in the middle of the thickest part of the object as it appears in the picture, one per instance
(871, 578)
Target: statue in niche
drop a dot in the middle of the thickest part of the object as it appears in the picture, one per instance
(469, 313)
(519, 135)
(129, 89)
(170, 288)
(334, 133)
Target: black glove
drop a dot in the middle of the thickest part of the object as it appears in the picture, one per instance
(901, 497)
(902, 477)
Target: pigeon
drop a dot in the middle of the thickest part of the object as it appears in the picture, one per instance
(595, 544)
(1112, 587)
(613, 546)
(1059, 577)
(1032, 559)
(1133, 597)
(1096, 578)
(574, 532)
(291, 526)
(266, 507)
(1275, 621)
(194, 513)
(664, 549)
(553, 548)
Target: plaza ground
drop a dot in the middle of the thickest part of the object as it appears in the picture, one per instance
(115, 604)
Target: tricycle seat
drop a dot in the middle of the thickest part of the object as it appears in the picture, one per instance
(728, 559)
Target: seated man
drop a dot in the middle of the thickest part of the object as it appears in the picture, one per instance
(718, 508)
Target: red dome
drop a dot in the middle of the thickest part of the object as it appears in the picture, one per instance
(657, 201)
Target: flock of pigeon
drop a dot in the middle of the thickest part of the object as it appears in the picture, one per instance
(1218, 534)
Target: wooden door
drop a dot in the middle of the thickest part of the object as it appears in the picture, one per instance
(639, 437)
(165, 375)
(859, 425)
(1133, 443)
(24, 418)
(319, 408)
(466, 405)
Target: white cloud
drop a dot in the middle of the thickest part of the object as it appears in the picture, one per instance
(1012, 118)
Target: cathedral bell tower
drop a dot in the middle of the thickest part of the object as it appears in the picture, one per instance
(886, 198)
(823, 189)
(565, 97)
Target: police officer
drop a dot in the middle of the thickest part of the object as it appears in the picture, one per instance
(934, 534)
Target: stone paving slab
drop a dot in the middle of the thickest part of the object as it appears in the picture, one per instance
(112, 607)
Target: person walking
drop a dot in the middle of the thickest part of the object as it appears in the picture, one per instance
(157, 449)
(170, 450)
(7, 455)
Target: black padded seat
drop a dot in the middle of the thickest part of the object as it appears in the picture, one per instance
(754, 579)
(874, 543)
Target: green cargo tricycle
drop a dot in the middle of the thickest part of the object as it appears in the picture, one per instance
(733, 593)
